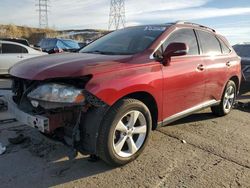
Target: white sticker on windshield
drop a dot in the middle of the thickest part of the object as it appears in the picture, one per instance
(155, 28)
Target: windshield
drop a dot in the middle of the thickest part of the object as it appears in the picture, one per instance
(125, 41)
(242, 50)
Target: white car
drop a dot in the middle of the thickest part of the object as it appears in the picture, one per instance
(12, 52)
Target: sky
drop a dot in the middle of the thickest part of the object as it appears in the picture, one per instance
(230, 18)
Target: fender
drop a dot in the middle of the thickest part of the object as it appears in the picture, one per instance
(110, 87)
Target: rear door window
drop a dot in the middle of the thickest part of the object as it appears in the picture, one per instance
(13, 49)
(225, 49)
(209, 43)
(186, 36)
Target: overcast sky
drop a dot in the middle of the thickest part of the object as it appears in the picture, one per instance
(229, 17)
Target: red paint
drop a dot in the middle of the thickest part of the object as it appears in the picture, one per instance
(175, 87)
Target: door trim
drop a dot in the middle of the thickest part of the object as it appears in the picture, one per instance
(188, 112)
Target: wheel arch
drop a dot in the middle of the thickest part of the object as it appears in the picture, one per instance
(236, 80)
(149, 101)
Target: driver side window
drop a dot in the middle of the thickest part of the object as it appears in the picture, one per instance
(186, 36)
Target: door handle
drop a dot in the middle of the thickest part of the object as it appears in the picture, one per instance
(228, 64)
(20, 56)
(200, 67)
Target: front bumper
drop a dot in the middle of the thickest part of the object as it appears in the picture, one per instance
(36, 121)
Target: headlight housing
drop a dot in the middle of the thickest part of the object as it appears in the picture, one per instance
(58, 93)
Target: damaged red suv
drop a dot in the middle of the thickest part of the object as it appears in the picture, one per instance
(107, 98)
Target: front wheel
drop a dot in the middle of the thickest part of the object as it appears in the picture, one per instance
(227, 100)
(124, 132)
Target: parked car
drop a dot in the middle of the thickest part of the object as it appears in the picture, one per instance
(243, 50)
(21, 41)
(12, 52)
(17, 40)
(57, 45)
(107, 98)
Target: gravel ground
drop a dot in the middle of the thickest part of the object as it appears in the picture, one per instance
(198, 151)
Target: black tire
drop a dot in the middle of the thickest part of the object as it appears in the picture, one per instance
(106, 149)
(220, 110)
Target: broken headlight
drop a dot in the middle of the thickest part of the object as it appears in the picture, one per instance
(57, 93)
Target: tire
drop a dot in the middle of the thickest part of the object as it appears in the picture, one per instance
(121, 140)
(227, 100)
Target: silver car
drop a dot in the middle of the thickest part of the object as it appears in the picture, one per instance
(12, 52)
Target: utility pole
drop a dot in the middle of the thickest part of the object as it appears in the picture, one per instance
(117, 14)
(43, 13)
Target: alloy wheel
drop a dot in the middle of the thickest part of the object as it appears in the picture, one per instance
(229, 98)
(129, 134)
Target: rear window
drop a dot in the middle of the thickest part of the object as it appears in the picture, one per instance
(12, 49)
(209, 43)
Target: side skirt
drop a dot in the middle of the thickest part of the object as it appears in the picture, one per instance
(188, 112)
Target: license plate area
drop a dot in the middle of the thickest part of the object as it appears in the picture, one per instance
(39, 122)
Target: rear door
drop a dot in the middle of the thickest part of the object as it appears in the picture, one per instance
(184, 78)
(217, 64)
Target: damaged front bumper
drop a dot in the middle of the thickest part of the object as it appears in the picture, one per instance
(36, 121)
(76, 125)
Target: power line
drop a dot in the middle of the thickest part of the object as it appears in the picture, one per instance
(117, 14)
(43, 6)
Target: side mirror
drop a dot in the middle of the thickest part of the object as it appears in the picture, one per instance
(174, 49)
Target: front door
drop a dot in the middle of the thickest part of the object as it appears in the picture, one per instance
(184, 77)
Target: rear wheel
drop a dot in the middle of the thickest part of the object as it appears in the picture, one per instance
(227, 100)
(124, 132)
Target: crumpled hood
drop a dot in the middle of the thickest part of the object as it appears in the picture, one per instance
(67, 65)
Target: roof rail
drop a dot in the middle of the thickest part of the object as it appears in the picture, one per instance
(194, 24)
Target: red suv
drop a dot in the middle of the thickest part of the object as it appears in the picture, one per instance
(107, 98)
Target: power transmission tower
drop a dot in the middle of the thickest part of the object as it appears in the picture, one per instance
(117, 14)
(43, 13)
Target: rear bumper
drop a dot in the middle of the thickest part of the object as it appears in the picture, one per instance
(39, 122)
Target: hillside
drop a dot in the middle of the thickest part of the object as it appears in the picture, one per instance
(34, 35)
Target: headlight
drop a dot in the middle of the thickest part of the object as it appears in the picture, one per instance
(57, 93)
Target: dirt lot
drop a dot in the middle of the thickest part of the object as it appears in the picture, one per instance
(216, 154)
